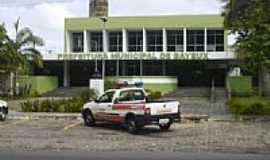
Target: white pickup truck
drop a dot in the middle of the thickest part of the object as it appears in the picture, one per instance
(3, 110)
(131, 107)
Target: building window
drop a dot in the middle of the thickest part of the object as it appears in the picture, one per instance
(115, 42)
(195, 40)
(96, 41)
(215, 40)
(135, 41)
(175, 40)
(77, 42)
(154, 41)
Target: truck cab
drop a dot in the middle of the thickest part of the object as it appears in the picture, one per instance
(131, 107)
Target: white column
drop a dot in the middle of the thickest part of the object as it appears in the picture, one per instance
(205, 40)
(105, 50)
(66, 74)
(125, 40)
(165, 49)
(105, 41)
(144, 40)
(185, 39)
(164, 39)
(144, 50)
(68, 42)
(85, 41)
(11, 83)
(125, 48)
(117, 67)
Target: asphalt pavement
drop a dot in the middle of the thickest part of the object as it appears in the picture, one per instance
(48, 155)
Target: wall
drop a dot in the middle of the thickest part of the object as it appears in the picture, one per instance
(164, 84)
(4, 84)
(240, 86)
(38, 84)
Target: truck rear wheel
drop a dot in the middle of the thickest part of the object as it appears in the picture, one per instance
(132, 125)
(165, 127)
(88, 118)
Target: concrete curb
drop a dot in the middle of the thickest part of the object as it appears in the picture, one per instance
(185, 117)
(22, 116)
(56, 116)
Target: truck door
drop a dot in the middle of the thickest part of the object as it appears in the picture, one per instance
(104, 106)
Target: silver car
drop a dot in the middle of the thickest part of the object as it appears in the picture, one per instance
(3, 110)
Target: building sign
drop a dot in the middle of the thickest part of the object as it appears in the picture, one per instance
(135, 56)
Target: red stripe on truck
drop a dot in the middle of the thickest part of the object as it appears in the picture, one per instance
(128, 106)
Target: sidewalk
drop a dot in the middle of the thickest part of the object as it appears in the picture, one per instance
(14, 115)
(23, 115)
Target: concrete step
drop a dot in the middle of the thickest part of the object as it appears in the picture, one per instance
(190, 92)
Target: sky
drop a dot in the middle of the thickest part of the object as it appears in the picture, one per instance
(46, 17)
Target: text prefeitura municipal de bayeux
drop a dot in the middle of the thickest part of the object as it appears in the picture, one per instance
(135, 56)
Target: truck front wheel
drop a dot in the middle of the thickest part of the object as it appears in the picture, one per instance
(3, 116)
(88, 118)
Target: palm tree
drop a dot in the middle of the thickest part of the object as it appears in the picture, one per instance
(19, 55)
(10, 61)
(25, 44)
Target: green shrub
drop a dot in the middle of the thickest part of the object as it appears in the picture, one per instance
(87, 95)
(62, 106)
(152, 95)
(27, 106)
(250, 106)
(74, 105)
(108, 84)
(47, 106)
(240, 86)
(25, 90)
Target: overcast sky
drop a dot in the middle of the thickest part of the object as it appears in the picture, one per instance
(46, 17)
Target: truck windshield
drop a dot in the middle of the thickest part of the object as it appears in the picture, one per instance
(106, 98)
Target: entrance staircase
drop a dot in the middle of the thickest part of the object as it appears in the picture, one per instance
(198, 101)
(197, 92)
(65, 92)
(190, 92)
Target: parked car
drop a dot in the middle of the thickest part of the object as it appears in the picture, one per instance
(3, 110)
(131, 107)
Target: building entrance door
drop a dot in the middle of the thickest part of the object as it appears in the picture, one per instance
(132, 68)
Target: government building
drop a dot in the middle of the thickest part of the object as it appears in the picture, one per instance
(188, 50)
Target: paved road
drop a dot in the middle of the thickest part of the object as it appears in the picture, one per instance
(10, 155)
(72, 135)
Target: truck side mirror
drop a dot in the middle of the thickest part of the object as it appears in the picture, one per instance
(116, 101)
(96, 100)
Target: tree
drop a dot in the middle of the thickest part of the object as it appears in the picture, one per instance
(25, 44)
(9, 60)
(20, 54)
(250, 21)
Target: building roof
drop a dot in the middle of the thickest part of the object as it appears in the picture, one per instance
(170, 21)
